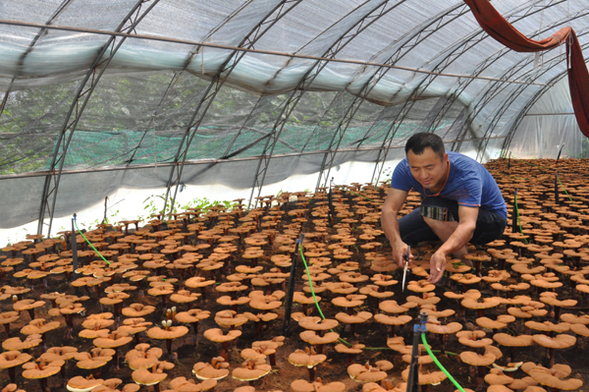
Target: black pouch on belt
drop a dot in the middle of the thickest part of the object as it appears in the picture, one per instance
(436, 213)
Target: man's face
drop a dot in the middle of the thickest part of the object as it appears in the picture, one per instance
(428, 169)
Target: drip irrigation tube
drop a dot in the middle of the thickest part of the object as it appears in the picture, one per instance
(442, 368)
(89, 243)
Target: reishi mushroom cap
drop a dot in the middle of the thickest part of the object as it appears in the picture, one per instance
(204, 371)
(366, 373)
(513, 341)
(83, 384)
(34, 370)
(558, 342)
(475, 359)
(317, 386)
(13, 358)
(251, 370)
(216, 335)
(302, 358)
(312, 338)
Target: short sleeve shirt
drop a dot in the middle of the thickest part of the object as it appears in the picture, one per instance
(469, 183)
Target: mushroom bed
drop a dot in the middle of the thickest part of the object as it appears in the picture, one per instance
(200, 302)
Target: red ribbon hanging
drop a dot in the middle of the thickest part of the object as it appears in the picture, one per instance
(499, 28)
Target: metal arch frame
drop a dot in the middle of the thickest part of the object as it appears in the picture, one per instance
(509, 138)
(409, 42)
(177, 75)
(304, 84)
(489, 94)
(23, 56)
(449, 100)
(490, 91)
(503, 108)
(83, 94)
(208, 96)
(226, 154)
(449, 57)
(497, 86)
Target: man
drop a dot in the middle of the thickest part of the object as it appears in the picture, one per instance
(461, 203)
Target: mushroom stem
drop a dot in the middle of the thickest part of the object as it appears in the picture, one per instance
(195, 335)
(43, 383)
(442, 339)
(477, 267)
(169, 346)
(480, 377)
(31, 313)
(224, 351)
(311, 373)
(319, 349)
(118, 312)
(272, 359)
(116, 367)
(12, 374)
(550, 357)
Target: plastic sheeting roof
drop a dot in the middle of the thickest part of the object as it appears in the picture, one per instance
(96, 93)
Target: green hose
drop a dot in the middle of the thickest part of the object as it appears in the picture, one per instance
(442, 368)
(89, 243)
(564, 189)
(429, 351)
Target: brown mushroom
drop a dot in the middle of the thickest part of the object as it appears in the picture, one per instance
(41, 370)
(307, 358)
(152, 376)
(167, 333)
(10, 359)
(216, 335)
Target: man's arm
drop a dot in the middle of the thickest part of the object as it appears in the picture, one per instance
(390, 224)
(458, 239)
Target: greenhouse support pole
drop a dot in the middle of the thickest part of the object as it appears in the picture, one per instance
(74, 247)
(413, 378)
(514, 212)
(291, 286)
(556, 198)
(559, 152)
(330, 201)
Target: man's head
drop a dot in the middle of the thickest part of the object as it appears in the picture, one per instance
(420, 141)
(428, 160)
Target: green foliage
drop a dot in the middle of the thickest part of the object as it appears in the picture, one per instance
(584, 148)
(387, 174)
(150, 205)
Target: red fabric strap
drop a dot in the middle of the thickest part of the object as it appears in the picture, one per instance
(499, 28)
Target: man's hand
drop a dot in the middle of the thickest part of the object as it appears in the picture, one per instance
(437, 266)
(400, 253)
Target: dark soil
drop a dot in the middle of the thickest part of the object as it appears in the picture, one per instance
(373, 335)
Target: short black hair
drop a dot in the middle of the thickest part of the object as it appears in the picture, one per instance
(420, 141)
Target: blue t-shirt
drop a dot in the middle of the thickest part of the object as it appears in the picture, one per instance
(469, 183)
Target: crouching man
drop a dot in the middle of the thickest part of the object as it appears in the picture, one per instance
(461, 203)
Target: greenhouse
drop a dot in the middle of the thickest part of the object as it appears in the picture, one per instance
(200, 184)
